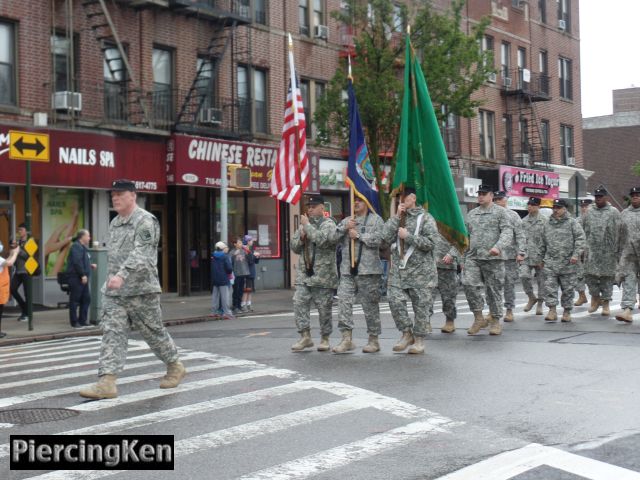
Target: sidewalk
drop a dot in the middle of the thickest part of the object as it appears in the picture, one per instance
(50, 324)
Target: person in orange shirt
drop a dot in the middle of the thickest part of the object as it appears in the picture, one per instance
(5, 279)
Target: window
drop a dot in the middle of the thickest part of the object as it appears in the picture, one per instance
(486, 130)
(162, 63)
(487, 50)
(8, 69)
(507, 139)
(252, 98)
(115, 85)
(544, 72)
(306, 103)
(303, 17)
(205, 84)
(255, 9)
(64, 74)
(544, 140)
(542, 9)
(523, 130)
(522, 64)
(398, 24)
(505, 60)
(564, 72)
(566, 144)
(310, 16)
(450, 131)
(564, 15)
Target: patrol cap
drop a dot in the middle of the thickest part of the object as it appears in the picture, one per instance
(600, 192)
(315, 200)
(484, 188)
(534, 201)
(498, 194)
(559, 202)
(586, 201)
(123, 185)
(634, 190)
(409, 191)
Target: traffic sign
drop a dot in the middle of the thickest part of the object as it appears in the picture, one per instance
(31, 247)
(28, 146)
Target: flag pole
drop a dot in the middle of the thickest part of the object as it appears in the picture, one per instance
(352, 243)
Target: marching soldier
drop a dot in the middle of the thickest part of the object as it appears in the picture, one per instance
(602, 229)
(315, 241)
(490, 232)
(361, 279)
(413, 270)
(562, 244)
(585, 203)
(533, 226)
(447, 263)
(629, 264)
(513, 255)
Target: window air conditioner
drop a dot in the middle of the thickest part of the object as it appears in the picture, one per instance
(562, 25)
(491, 78)
(321, 31)
(507, 82)
(67, 101)
(211, 116)
(571, 161)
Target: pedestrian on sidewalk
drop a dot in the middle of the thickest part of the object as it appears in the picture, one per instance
(5, 279)
(253, 258)
(20, 275)
(132, 294)
(240, 262)
(78, 269)
(220, 270)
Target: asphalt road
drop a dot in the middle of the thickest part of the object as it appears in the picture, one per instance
(542, 401)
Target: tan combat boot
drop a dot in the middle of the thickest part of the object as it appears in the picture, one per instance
(531, 303)
(373, 346)
(105, 388)
(595, 304)
(625, 315)
(582, 299)
(552, 316)
(487, 319)
(566, 315)
(418, 346)
(539, 308)
(494, 327)
(304, 342)
(324, 344)
(345, 345)
(479, 323)
(605, 309)
(175, 374)
(406, 340)
(508, 316)
(448, 326)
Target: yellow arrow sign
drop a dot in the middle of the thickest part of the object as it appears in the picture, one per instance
(28, 146)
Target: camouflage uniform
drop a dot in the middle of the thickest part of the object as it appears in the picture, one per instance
(366, 282)
(629, 265)
(533, 227)
(488, 227)
(318, 287)
(133, 255)
(447, 277)
(602, 230)
(418, 277)
(580, 282)
(562, 240)
(517, 246)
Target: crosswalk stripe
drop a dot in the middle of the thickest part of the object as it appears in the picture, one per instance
(51, 355)
(184, 387)
(47, 343)
(49, 349)
(59, 359)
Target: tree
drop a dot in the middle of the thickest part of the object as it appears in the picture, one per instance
(453, 63)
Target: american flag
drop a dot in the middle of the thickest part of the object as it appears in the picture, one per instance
(290, 175)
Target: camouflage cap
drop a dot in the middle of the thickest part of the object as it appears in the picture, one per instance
(123, 185)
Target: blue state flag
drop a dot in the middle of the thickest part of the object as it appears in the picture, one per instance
(360, 174)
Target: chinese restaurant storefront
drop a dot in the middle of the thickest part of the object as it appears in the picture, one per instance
(70, 192)
(194, 178)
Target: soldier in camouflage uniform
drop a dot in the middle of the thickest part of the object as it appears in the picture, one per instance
(629, 264)
(490, 232)
(412, 274)
(563, 241)
(581, 286)
(533, 225)
(513, 255)
(446, 256)
(363, 279)
(131, 294)
(317, 276)
(602, 228)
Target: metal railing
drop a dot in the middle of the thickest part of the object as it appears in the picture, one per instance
(523, 81)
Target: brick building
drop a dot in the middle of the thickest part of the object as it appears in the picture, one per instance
(160, 91)
(611, 145)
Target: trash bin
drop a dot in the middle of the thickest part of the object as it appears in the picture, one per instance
(98, 277)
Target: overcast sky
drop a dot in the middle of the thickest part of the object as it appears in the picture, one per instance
(609, 51)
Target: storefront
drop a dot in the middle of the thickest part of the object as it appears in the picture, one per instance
(70, 191)
(194, 176)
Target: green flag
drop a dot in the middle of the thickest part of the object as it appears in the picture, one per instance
(421, 159)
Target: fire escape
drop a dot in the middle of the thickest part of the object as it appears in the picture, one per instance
(522, 90)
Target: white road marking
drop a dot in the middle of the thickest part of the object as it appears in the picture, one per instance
(510, 464)
(60, 359)
(29, 353)
(47, 343)
(603, 441)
